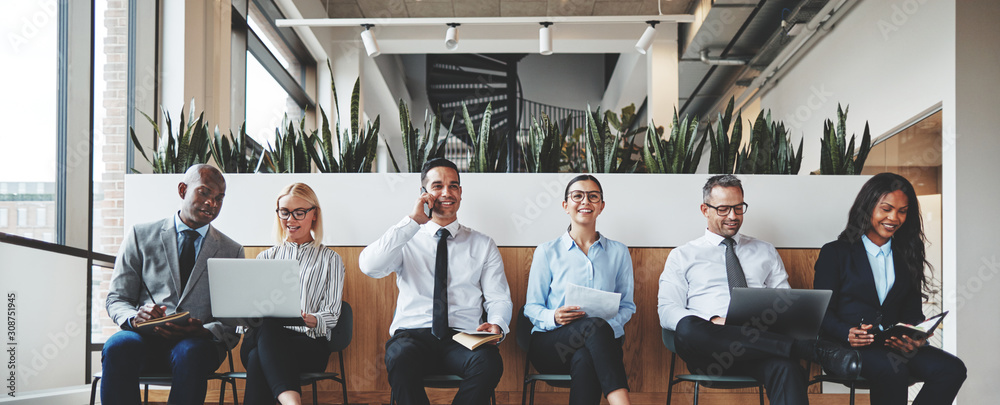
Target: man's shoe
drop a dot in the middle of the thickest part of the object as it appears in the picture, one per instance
(838, 360)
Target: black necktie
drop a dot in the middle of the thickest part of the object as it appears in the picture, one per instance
(734, 271)
(439, 322)
(187, 255)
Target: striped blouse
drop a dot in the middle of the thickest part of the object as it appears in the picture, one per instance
(321, 273)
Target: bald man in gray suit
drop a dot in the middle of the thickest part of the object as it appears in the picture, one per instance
(161, 269)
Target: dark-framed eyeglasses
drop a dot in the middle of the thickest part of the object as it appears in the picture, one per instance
(723, 210)
(298, 214)
(592, 196)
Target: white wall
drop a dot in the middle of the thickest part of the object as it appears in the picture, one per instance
(47, 293)
(564, 80)
(889, 60)
(643, 210)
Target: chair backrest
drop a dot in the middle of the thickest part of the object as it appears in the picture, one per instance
(668, 340)
(524, 327)
(342, 334)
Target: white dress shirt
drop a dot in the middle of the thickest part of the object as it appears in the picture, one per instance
(694, 278)
(321, 278)
(475, 275)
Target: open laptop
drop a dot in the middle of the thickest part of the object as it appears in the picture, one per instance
(244, 290)
(790, 312)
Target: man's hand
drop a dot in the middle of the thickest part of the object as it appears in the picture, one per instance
(309, 319)
(905, 344)
(173, 331)
(718, 320)
(491, 328)
(418, 214)
(566, 314)
(148, 312)
(859, 337)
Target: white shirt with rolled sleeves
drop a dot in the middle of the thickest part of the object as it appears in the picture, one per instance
(476, 278)
(694, 280)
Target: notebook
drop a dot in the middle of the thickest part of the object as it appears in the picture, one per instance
(790, 312)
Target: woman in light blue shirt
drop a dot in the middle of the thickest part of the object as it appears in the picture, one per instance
(564, 338)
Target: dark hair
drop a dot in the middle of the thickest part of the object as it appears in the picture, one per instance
(437, 162)
(579, 178)
(720, 180)
(909, 239)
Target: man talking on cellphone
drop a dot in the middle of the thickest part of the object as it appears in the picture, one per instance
(447, 274)
(161, 269)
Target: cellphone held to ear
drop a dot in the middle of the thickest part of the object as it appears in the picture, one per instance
(427, 208)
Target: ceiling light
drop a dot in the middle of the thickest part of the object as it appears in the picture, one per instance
(545, 39)
(371, 46)
(451, 37)
(647, 37)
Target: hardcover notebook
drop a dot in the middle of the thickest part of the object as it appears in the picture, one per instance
(474, 339)
(919, 331)
(180, 318)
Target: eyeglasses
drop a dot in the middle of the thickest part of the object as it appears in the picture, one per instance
(592, 196)
(299, 214)
(723, 210)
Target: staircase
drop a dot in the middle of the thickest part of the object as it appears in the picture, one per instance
(475, 80)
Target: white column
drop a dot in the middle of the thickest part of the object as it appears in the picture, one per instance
(970, 182)
(661, 72)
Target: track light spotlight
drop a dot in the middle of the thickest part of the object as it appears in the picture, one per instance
(647, 38)
(371, 46)
(545, 39)
(451, 37)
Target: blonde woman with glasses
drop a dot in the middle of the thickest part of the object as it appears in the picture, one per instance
(273, 354)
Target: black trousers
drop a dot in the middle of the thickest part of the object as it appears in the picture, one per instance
(413, 353)
(713, 349)
(890, 372)
(274, 356)
(588, 351)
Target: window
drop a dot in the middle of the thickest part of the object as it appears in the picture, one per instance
(3, 188)
(22, 217)
(40, 217)
(47, 236)
(3, 218)
(276, 65)
(40, 188)
(22, 188)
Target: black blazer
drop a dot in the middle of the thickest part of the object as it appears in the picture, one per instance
(844, 268)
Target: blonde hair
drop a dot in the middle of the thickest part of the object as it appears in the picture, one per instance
(304, 192)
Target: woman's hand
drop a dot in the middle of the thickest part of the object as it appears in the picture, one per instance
(309, 319)
(859, 336)
(905, 344)
(567, 313)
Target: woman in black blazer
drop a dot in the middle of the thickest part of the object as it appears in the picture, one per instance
(876, 271)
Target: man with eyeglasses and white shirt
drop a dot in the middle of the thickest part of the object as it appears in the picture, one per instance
(694, 298)
(447, 274)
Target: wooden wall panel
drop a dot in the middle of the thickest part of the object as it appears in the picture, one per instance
(646, 360)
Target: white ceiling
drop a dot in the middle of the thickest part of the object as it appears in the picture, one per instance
(499, 8)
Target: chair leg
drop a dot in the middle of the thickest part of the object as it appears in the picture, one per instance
(236, 398)
(533, 392)
(145, 398)
(343, 376)
(760, 392)
(93, 390)
(315, 394)
(222, 390)
(852, 393)
(493, 398)
(696, 385)
(524, 393)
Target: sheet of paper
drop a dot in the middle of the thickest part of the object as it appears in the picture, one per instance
(597, 303)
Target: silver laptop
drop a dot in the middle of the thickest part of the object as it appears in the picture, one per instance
(790, 312)
(246, 289)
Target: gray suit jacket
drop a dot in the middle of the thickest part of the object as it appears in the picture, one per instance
(149, 253)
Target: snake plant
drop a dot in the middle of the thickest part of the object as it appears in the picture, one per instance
(289, 153)
(175, 152)
(489, 148)
(725, 147)
(418, 147)
(676, 154)
(356, 146)
(544, 147)
(237, 156)
(769, 150)
(835, 156)
(607, 152)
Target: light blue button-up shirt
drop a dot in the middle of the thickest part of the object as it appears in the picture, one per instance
(607, 266)
(180, 226)
(883, 270)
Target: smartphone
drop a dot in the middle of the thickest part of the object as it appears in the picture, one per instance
(427, 208)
